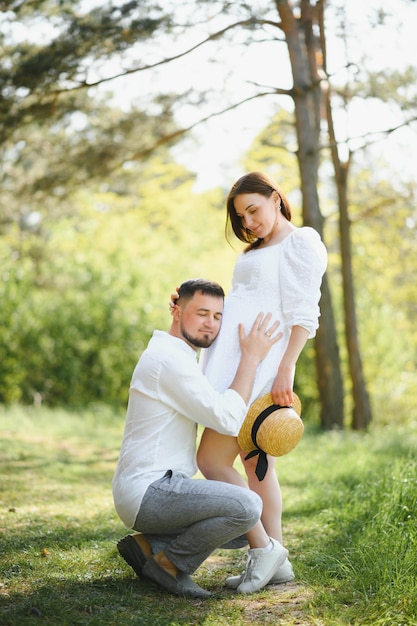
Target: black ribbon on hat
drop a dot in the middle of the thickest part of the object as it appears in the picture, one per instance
(262, 464)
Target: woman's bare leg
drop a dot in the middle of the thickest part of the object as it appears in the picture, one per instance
(270, 492)
(215, 457)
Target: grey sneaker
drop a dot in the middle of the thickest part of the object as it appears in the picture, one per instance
(183, 585)
(283, 574)
(261, 566)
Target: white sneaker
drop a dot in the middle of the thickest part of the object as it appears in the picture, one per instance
(261, 566)
(283, 574)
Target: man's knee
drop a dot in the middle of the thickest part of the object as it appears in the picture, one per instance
(253, 506)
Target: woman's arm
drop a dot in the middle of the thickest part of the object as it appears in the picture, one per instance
(284, 380)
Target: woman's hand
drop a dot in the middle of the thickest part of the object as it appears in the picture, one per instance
(172, 302)
(282, 388)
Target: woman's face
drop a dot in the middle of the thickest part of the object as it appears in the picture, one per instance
(257, 213)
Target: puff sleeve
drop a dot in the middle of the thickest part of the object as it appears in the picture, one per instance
(302, 265)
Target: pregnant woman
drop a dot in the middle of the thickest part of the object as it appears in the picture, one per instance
(279, 272)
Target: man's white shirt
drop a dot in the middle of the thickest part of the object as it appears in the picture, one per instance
(169, 395)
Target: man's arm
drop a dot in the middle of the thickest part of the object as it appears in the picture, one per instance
(183, 387)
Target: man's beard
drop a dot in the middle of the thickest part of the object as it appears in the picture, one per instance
(197, 342)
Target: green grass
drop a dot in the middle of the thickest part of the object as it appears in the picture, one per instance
(350, 523)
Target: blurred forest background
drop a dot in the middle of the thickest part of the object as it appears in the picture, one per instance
(109, 198)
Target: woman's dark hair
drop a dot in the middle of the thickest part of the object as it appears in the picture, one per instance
(253, 182)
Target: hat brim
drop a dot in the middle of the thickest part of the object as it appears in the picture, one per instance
(276, 434)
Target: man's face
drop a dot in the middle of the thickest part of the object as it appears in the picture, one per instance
(200, 320)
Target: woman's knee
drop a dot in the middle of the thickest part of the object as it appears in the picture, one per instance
(216, 454)
(205, 462)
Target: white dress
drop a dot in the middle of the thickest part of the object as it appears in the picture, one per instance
(283, 279)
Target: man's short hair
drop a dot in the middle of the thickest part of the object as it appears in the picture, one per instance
(207, 287)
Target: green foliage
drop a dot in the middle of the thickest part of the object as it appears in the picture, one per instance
(55, 134)
(43, 165)
(69, 341)
(349, 523)
(77, 38)
(384, 264)
(83, 294)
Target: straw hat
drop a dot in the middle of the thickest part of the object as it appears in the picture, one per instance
(270, 429)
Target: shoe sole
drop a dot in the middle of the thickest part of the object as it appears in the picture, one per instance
(131, 552)
(273, 581)
(280, 581)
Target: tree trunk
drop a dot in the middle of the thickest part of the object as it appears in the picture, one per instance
(362, 415)
(306, 94)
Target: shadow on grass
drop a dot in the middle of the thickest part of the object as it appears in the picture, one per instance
(37, 533)
(93, 465)
(105, 601)
(73, 575)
